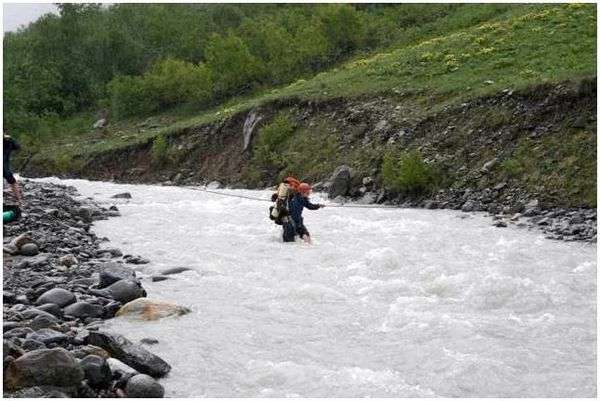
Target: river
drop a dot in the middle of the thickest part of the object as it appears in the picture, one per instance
(385, 303)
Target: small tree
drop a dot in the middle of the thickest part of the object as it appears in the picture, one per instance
(160, 149)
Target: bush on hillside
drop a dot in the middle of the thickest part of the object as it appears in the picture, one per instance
(409, 173)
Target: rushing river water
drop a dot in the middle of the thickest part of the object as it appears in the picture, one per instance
(386, 302)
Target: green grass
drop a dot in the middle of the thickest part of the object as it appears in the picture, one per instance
(562, 168)
(522, 46)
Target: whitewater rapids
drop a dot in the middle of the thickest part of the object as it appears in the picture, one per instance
(385, 303)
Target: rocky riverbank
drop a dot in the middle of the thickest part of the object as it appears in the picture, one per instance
(506, 206)
(59, 284)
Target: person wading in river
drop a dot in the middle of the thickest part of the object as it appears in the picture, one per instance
(298, 202)
(9, 144)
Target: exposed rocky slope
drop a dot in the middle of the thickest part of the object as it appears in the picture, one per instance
(496, 154)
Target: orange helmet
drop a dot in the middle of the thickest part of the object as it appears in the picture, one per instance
(304, 188)
(292, 182)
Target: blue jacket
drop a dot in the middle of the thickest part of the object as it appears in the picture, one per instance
(296, 204)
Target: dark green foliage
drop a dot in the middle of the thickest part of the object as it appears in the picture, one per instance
(91, 55)
(159, 151)
(408, 173)
(268, 150)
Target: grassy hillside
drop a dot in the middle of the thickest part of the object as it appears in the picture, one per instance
(521, 47)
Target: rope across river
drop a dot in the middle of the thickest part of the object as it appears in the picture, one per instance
(269, 200)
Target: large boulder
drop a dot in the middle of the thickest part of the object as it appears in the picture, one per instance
(96, 370)
(131, 354)
(150, 309)
(52, 367)
(58, 296)
(84, 309)
(143, 386)
(111, 272)
(122, 291)
(340, 182)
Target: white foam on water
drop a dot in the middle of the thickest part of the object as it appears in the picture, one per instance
(385, 303)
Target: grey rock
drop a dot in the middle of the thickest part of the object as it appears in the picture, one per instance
(84, 309)
(340, 180)
(29, 249)
(96, 371)
(121, 370)
(68, 260)
(471, 206)
(31, 345)
(48, 336)
(123, 195)
(43, 322)
(149, 341)
(111, 272)
(57, 296)
(175, 270)
(56, 367)
(143, 386)
(158, 278)
(51, 308)
(122, 291)
(18, 332)
(133, 355)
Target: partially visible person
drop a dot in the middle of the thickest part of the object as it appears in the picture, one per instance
(10, 145)
(298, 202)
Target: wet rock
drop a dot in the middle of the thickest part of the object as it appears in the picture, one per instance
(340, 182)
(111, 309)
(143, 386)
(57, 296)
(122, 291)
(175, 270)
(8, 297)
(158, 278)
(499, 223)
(51, 308)
(213, 185)
(84, 309)
(96, 371)
(121, 370)
(19, 332)
(31, 345)
(48, 336)
(430, 204)
(111, 272)
(135, 260)
(149, 309)
(44, 322)
(123, 195)
(29, 249)
(85, 350)
(133, 355)
(55, 367)
(149, 341)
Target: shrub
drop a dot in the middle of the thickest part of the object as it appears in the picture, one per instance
(174, 82)
(267, 150)
(159, 150)
(130, 96)
(409, 173)
(511, 167)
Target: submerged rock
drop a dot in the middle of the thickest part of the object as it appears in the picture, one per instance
(148, 309)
